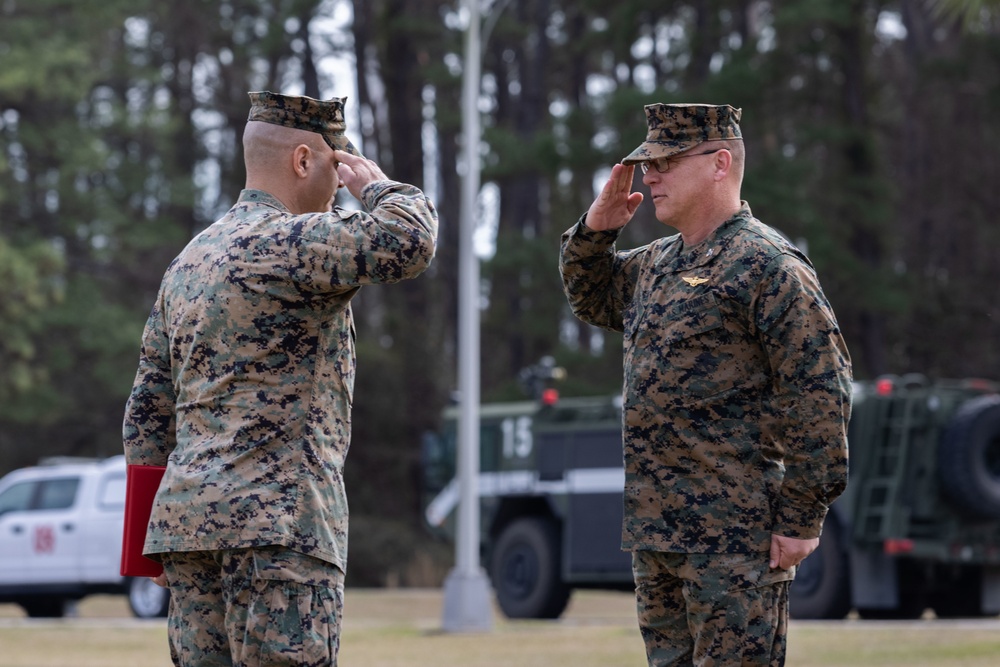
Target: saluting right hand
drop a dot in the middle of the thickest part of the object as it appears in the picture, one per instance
(357, 172)
(616, 204)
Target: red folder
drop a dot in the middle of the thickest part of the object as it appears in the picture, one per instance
(141, 483)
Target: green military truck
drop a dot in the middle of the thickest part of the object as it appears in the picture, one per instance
(917, 528)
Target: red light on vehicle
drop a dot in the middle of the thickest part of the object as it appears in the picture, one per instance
(550, 396)
(883, 386)
(896, 545)
(979, 384)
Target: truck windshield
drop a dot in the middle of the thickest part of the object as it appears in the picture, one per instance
(57, 494)
(17, 497)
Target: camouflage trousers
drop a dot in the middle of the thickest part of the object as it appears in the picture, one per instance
(249, 607)
(711, 610)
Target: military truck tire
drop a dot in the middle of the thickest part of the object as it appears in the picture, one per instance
(969, 458)
(146, 599)
(45, 606)
(822, 586)
(959, 596)
(525, 570)
(912, 591)
(904, 612)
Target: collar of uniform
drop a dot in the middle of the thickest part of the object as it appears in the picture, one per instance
(261, 197)
(705, 252)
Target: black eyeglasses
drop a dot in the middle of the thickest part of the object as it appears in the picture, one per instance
(662, 164)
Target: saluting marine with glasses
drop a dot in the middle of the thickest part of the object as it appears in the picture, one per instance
(737, 392)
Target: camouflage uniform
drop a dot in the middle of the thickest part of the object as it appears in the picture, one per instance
(736, 401)
(736, 603)
(247, 365)
(675, 128)
(284, 607)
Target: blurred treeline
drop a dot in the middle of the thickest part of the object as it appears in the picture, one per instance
(872, 139)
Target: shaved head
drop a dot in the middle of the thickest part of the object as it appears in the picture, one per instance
(297, 166)
(266, 145)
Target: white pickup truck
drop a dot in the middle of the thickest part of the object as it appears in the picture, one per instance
(61, 538)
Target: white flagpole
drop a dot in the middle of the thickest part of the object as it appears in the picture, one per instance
(467, 595)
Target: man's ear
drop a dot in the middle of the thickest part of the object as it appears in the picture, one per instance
(723, 163)
(301, 160)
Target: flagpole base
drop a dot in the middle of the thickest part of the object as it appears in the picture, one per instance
(468, 602)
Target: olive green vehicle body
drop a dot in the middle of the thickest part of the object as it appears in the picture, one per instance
(918, 526)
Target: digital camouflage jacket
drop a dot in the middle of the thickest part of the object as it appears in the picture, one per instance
(246, 370)
(737, 384)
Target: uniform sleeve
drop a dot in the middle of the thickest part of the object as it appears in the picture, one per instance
(394, 240)
(598, 281)
(149, 431)
(810, 404)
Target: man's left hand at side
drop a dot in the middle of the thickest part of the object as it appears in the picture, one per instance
(787, 552)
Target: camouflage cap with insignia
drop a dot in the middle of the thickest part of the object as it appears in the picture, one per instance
(325, 117)
(675, 128)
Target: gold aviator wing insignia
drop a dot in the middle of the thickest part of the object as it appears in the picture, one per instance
(694, 282)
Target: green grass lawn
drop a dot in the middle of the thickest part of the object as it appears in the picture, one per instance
(402, 628)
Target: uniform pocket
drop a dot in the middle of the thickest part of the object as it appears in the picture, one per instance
(295, 611)
(690, 318)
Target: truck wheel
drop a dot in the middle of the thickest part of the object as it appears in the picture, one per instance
(959, 595)
(912, 588)
(969, 457)
(910, 608)
(146, 599)
(822, 586)
(45, 606)
(958, 605)
(525, 570)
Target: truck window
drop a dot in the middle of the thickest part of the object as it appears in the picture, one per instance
(112, 493)
(57, 494)
(17, 498)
